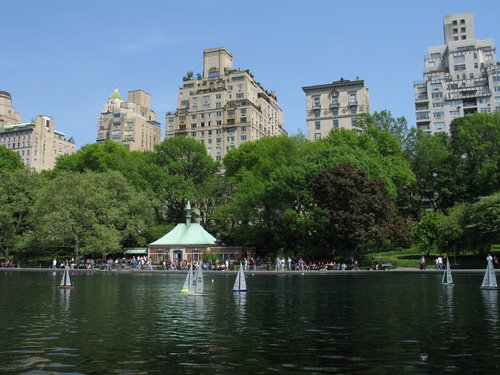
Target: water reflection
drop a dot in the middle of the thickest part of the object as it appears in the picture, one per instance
(65, 299)
(131, 323)
(240, 301)
(490, 299)
(449, 302)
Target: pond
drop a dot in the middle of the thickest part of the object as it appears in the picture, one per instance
(346, 323)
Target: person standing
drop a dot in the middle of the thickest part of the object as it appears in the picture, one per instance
(54, 264)
(422, 263)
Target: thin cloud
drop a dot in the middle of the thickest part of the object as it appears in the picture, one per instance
(145, 44)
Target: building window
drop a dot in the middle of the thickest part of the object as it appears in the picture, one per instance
(437, 95)
(353, 110)
(218, 96)
(439, 125)
(213, 74)
(485, 110)
(459, 67)
(335, 111)
(437, 105)
(317, 125)
(218, 149)
(438, 114)
(317, 136)
(317, 112)
(243, 137)
(484, 100)
(354, 122)
(316, 102)
(352, 98)
(455, 113)
(335, 124)
(239, 95)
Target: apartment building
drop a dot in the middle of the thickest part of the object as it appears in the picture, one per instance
(131, 123)
(334, 105)
(223, 107)
(460, 77)
(8, 114)
(37, 142)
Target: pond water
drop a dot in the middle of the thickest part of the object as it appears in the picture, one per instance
(352, 323)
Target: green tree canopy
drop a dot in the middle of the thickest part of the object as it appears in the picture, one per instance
(358, 211)
(90, 213)
(475, 146)
(17, 191)
(9, 160)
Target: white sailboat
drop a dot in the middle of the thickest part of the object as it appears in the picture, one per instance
(65, 281)
(197, 286)
(188, 283)
(447, 279)
(240, 284)
(489, 279)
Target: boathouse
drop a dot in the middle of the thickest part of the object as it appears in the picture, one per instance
(188, 242)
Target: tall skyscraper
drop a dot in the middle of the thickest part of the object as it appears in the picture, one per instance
(131, 123)
(334, 105)
(37, 142)
(461, 77)
(224, 107)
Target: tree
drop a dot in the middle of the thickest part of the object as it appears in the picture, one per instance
(182, 167)
(426, 231)
(17, 189)
(475, 146)
(451, 229)
(482, 223)
(433, 167)
(383, 120)
(9, 160)
(358, 211)
(90, 213)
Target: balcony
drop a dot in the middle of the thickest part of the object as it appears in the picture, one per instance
(422, 98)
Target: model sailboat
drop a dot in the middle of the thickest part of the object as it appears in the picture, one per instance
(489, 279)
(188, 283)
(447, 278)
(65, 281)
(196, 288)
(240, 284)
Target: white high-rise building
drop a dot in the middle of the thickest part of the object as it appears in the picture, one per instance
(461, 77)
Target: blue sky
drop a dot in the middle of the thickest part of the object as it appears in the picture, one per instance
(64, 58)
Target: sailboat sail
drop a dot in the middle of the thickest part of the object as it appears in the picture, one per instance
(198, 288)
(240, 284)
(65, 281)
(489, 279)
(447, 278)
(188, 283)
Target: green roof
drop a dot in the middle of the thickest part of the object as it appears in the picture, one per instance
(138, 251)
(116, 94)
(186, 234)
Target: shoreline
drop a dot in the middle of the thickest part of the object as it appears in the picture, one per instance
(258, 272)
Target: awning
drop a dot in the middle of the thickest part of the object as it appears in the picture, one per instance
(138, 251)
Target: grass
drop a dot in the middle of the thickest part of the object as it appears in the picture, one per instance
(411, 258)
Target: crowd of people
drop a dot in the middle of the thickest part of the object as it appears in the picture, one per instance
(248, 263)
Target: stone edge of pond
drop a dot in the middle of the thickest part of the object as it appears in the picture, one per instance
(258, 272)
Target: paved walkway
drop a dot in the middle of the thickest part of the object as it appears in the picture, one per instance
(260, 272)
